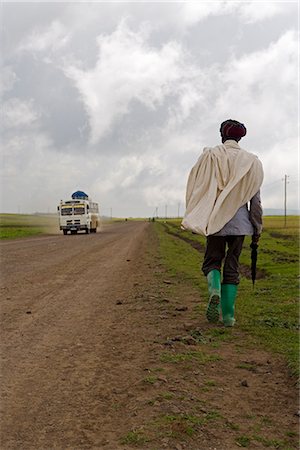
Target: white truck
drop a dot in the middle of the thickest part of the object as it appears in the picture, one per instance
(78, 214)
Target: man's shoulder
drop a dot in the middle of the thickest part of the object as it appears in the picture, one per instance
(214, 149)
(248, 153)
(246, 157)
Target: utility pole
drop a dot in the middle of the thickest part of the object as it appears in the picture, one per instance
(166, 211)
(285, 195)
(178, 212)
(110, 213)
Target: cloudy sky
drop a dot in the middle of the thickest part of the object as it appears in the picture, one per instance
(118, 99)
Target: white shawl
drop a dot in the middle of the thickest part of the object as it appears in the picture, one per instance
(224, 178)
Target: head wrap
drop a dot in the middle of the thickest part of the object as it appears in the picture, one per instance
(232, 129)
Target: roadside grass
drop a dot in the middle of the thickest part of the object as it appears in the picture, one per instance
(14, 226)
(174, 425)
(151, 379)
(245, 441)
(170, 426)
(134, 437)
(198, 356)
(269, 311)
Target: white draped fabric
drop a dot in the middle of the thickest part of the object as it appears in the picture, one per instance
(224, 178)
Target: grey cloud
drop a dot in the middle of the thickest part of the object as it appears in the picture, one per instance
(143, 159)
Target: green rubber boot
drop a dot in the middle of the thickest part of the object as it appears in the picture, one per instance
(228, 296)
(214, 290)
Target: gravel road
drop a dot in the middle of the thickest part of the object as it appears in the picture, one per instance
(60, 304)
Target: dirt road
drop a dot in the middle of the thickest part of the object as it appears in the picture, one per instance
(85, 321)
(60, 321)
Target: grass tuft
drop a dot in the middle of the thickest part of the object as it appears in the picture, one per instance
(243, 441)
(134, 438)
(199, 356)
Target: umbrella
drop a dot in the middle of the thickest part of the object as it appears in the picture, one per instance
(254, 247)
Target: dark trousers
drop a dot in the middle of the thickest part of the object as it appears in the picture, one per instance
(216, 252)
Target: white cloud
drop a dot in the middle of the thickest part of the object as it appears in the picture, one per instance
(35, 176)
(16, 113)
(279, 160)
(258, 11)
(192, 13)
(54, 38)
(7, 79)
(261, 89)
(164, 194)
(125, 172)
(128, 69)
(279, 156)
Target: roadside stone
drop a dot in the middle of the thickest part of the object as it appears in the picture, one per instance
(187, 326)
(176, 410)
(119, 302)
(161, 378)
(244, 383)
(189, 340)
(177, 338)
(181, 308)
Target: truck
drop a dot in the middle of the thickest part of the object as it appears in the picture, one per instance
(78, 214)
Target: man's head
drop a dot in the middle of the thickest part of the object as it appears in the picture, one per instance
(232, 129)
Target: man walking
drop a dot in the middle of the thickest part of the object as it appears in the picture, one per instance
(222, 183)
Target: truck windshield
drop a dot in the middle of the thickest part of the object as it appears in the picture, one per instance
(79, 210)
(66, 211)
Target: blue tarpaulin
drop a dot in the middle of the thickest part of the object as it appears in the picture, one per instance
(80, 194)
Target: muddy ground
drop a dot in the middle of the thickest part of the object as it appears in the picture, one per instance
(101, 349)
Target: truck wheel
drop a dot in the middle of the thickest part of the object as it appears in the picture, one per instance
(65, 232)
(87, 231)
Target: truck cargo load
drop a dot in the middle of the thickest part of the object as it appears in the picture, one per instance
(80, 194)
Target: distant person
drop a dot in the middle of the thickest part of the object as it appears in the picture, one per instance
(221, 184)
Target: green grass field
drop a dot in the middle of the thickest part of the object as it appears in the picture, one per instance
(14, 226)
(269, 312)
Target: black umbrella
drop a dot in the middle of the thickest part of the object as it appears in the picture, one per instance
(254, 246)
